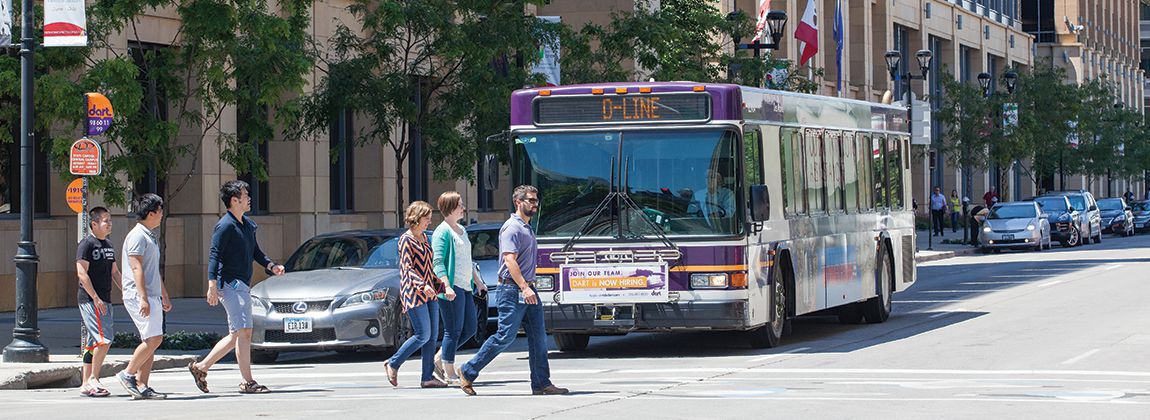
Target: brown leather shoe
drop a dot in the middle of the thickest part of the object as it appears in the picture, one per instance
(550, 390)
(464, 383)
(433, 383)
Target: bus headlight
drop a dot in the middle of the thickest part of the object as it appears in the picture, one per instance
(544, 283)
(709, 281)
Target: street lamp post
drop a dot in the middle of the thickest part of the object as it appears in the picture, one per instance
(892, 62)
(776, 24)
(25, 346)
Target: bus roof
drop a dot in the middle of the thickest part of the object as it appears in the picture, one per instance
(737, 103)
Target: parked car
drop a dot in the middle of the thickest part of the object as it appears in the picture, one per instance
(1117, 217)
(1141, 210)
(1090, 226)
(485, 252)
(1017, 225)
(1065, 222)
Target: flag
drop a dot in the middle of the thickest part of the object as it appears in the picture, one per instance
(838, 33)
(547, 63)
(5, 22)
(808, 33)
(761, 24)
(65, 23)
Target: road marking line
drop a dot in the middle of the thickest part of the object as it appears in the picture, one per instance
(948, 312)
(771, 356)
(1079, 358)
(1051, 283)
(974, 283)
(929, 301)
(953, 291)
(1111, 267)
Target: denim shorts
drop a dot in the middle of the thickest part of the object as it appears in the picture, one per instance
(237, 299)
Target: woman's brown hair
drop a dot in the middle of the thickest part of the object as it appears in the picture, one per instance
(416, 211)
(448, 202)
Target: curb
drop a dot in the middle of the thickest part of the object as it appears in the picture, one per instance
(942, 255)
(69, 376)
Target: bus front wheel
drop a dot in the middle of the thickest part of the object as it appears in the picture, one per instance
(571, 341)
(771, 335)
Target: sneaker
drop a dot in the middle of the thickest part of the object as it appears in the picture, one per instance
(550, 390)
(151, 394)
(129, 383)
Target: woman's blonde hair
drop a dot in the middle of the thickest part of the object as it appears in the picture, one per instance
(448, 202)
(416, 211)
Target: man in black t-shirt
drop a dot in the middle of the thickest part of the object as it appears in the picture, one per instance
(96, 268)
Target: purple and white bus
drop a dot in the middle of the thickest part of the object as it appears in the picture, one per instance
(687, 207)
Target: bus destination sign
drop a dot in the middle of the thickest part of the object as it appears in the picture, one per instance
(642, 108)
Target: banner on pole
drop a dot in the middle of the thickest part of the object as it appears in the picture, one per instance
(548, 64)
(65, 23)
(5, 22)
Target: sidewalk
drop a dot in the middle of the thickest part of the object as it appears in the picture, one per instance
(60, 332)
(940, 251)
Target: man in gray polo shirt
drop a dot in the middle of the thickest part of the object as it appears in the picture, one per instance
(518, 302)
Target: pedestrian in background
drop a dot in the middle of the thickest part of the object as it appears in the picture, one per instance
(95, 268)
(234, 248)
(937, 210)
(990, 198)
(518, 300)
(145, 297)
(419, 290)
(453, 266)
(955, 211)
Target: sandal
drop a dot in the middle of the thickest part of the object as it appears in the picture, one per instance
(99, 392)
(200, 376)
(392, 374)
(253, 388)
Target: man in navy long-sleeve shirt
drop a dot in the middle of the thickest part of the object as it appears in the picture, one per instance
(234, 248)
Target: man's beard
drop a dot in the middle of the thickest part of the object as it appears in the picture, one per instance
(529, 211)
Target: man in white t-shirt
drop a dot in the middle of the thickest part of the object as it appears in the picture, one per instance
(145, 297)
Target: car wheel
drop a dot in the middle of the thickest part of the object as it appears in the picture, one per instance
(571, 341)
(1098, 237)
(1072, 239)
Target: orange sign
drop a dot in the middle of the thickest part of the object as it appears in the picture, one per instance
(85, 158)
(75, 195)
(99, 113)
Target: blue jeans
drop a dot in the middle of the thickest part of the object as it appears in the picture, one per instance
(459, 322)
(511, 314)
(425, 322)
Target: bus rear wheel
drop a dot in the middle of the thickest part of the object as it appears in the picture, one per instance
(877, 309)
(771, 335)
(571, 341)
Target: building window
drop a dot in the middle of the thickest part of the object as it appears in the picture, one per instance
(154, 104)
(246, 136)
(342, 148)
(1038, 20)
(902, 44)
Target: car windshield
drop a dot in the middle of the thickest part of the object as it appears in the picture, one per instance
(1141, 206)
(1078, 202)
(1013, 212)
(360, 251)
(484, 244)
(1051, 204)
(1110, 205)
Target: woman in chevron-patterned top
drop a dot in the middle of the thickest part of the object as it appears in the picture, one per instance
(418, 289)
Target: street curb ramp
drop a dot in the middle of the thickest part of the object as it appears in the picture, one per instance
(69, 376)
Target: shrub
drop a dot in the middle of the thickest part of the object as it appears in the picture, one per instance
(179, 340)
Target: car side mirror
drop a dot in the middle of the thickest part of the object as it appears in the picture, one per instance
(1093, 208)
(760, 203)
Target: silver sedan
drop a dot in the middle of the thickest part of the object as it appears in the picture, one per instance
(1019, 225)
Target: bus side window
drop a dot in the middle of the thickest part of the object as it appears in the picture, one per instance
(792, 163)
(894, 176)
(753, 157)
(850, 174)
(813, 146)
(878, 171)
(866, 187)
(833, 170)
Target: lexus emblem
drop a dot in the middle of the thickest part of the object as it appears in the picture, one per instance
(299, 307)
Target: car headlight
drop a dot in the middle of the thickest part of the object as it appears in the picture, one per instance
(1120, 218)
(708, 280)
(987, 229)
(261, 302)
(367, 296)
(544, 283)
(1030, 226)
(1064, 217)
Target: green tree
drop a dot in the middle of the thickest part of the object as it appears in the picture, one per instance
(967, 130)
(1046, 107)
(440, 70)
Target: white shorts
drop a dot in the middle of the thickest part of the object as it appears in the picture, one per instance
(153, 324)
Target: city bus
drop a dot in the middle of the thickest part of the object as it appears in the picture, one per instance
(712, 207)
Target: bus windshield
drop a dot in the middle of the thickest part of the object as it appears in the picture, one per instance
(683, 181)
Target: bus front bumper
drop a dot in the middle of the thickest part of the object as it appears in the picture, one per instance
(679, 316)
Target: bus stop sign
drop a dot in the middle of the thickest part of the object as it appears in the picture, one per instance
(85, 158)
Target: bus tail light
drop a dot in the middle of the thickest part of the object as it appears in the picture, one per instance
(545, 93)
(699, 88)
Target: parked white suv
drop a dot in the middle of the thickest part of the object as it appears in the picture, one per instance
(1091, 222)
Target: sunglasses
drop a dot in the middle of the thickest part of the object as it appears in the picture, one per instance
(531, 200)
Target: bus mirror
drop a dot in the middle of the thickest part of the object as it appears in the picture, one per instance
(760, 203)
(490, 172)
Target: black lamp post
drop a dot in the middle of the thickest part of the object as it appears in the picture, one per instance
(25, 346)
(776, 24)
(893, 58)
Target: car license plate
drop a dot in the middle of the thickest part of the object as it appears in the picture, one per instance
(297, 325)
(1008, 237)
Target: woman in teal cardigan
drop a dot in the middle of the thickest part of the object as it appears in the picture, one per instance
(452, 263)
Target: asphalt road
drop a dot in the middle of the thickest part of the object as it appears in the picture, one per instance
(1056, 334)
